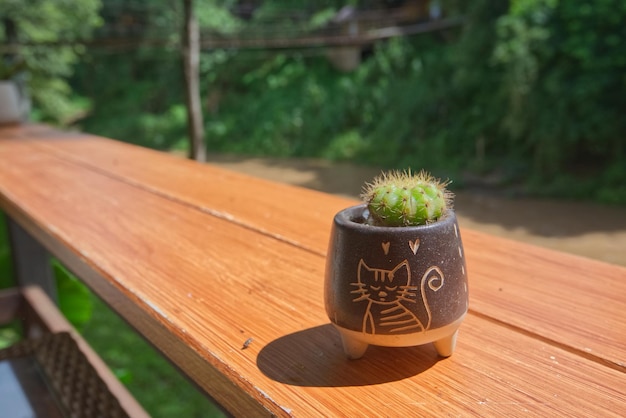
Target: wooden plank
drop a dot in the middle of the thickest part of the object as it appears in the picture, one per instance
(27, 131)
(51, 209)
(242, 199)
(494, 372)
(531, 288)
(172, 271)
(564, 298)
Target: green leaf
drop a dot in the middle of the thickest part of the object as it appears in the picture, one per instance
(74, 298)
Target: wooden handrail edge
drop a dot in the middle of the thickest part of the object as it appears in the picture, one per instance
(212, 378)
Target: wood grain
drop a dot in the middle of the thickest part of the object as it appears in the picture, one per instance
(563, 298)
(526, 287)
(199, 284)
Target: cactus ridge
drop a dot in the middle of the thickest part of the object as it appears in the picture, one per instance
(400, 198)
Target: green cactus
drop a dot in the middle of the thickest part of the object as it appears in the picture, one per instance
(406, 199)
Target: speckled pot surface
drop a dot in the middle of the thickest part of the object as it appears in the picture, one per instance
(395, 286)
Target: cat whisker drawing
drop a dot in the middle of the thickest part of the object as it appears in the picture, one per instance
(361, 287)
(362, 291)
(408, 299)
(408, 294)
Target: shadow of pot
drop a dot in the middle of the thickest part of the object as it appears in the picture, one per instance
(395, 286)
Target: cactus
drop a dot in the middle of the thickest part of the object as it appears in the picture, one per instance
(406, 199)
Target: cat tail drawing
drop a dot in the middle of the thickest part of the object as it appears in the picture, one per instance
(433, 278)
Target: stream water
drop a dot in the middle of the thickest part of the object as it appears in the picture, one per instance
(581, 228)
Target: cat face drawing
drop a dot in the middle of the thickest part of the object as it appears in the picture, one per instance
(384, 286)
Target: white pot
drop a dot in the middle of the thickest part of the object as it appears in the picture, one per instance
(11, 109)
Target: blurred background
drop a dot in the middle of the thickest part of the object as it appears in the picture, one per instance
(526, 93)
(520, 103)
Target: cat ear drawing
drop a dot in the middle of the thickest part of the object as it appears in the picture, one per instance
(402, 272)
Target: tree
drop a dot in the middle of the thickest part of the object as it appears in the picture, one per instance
(191, 62)
(45, 31)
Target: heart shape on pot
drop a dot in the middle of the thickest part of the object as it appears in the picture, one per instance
(414, 245)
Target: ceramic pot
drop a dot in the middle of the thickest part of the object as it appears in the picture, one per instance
(11, 107)
(395, 286)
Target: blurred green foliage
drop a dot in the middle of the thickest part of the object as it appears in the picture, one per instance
(11, 332)
(155, 383)
(564, 67)
(135, 96)
(73, 296)
(530, 92)
(6, 268)
(46, 30)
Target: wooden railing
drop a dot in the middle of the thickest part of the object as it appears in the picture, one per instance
(224, 274)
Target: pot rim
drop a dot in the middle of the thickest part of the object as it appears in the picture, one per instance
(350, 216)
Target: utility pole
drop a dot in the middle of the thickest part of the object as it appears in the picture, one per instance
(191, 61)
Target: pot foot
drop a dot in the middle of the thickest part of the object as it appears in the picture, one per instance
(353, 348)
(445, 346)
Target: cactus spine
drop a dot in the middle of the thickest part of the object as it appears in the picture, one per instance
(406, 199)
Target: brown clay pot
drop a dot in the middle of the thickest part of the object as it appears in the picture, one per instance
(395, 286)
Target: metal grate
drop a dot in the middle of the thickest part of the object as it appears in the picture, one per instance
(76, 384)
